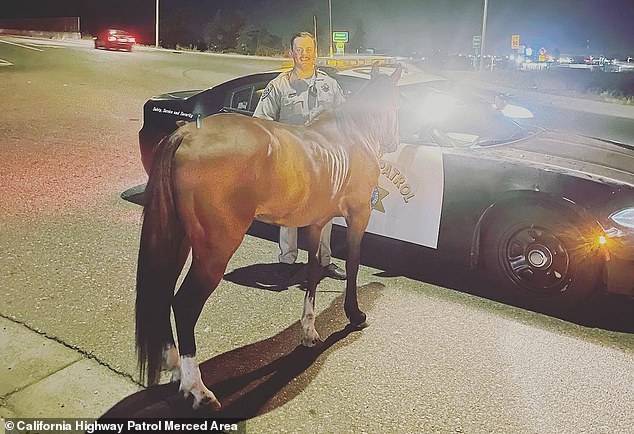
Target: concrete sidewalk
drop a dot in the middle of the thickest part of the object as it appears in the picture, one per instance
(43, 378)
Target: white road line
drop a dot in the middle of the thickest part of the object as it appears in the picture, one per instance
(5, 63)
(20, 45)
(45, 46)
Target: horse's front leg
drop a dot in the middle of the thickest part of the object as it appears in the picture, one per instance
(357, 223)
(311, 337)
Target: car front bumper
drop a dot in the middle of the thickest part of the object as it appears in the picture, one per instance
(620, 263)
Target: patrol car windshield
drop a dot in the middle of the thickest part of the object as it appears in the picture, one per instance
(432, 112)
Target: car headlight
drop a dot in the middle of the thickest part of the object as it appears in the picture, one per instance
(624, 218)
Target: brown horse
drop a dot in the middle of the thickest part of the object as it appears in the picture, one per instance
(207, 185)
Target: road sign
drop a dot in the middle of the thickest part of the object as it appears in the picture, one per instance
(477, 41)
(515, 42)
(339, 36)
(340, 48)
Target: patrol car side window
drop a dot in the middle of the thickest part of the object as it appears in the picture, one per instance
(245, 99)
(259, 89)
(241, 99)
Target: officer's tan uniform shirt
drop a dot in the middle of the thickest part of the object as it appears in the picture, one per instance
(295, 101)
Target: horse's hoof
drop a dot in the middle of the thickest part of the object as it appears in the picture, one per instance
(360, 326)
(207, 402)
(311, 342)
(204, 400)
(358, 320)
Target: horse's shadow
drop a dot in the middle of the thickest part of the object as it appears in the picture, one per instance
(257, 378)
(268, 276)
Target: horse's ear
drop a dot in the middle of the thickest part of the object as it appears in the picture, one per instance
(374, 72)
(396, 75)
(180, 123)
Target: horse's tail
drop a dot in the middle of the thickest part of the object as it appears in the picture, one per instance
(158, 264)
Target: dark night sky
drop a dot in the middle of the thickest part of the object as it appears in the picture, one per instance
(403, 26)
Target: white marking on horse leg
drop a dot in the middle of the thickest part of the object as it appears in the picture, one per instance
(191, 382)
(171, 362)
(311, 337)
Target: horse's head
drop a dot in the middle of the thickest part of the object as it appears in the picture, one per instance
(383, 95)
(370, 117)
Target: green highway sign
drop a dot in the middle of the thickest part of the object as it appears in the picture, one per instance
(339, 36)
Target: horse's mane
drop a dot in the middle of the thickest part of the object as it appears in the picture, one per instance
(363, 117)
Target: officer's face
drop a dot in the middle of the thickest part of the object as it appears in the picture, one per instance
(303, 53)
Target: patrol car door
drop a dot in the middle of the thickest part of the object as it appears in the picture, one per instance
(407, 203)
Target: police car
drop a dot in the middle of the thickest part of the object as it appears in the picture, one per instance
(548, 216)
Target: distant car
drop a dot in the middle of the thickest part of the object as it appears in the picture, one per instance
(113, 39)
(548, 215)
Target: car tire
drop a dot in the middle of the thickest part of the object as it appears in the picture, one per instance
(537, 258)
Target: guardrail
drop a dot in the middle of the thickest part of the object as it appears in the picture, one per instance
(50, 27)
(41, 34)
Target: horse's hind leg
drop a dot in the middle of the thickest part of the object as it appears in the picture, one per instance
(211, 251)
(311, 337)
(201, 280)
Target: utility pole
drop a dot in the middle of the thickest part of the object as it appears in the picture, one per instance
(330, 26)
(157, 24)
(484, 30)
(315, 34)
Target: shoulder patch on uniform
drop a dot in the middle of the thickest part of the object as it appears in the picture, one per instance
(267, 91)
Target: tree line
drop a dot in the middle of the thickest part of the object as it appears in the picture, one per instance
(227, 31)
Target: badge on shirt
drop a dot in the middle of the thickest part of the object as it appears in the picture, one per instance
(325, 87)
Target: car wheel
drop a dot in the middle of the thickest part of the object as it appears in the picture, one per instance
(540, 259)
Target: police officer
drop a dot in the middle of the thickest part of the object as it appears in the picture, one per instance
(297, 97)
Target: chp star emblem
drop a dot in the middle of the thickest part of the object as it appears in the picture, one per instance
(378, 194)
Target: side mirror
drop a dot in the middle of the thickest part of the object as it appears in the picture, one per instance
(500, 102)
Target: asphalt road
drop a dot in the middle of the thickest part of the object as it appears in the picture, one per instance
(434, 359)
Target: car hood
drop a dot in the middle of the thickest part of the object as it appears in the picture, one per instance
(579, 156)
(178, 96)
